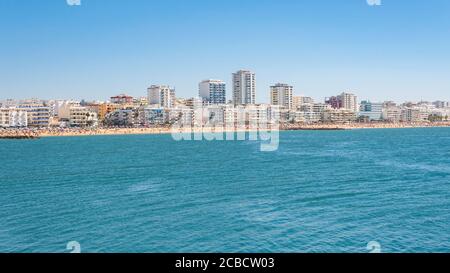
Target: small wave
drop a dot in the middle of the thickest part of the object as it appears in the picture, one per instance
(415, 166)
(143, 187)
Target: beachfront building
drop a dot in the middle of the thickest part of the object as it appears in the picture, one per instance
(338, 116)
(4, 117)
(105, 108)
(286, 115)
(161, 96)
(62, 109)
(38, 114)
(212, 116)
(320, 107)
(297, 116)
(244, 88)
(265, 114)
(276, 114)
(230, 115)
(299, 101)
(123, 117)
(281, 95)
(372, 111)
(392, 113)
(439, 114)
(313, 112)
(212, 91)
(82, 117)
(155, 116)
(182, 116)
(312, 117)
(99, 108)
(302, 116)
(256, 114)
(13, 117)
(410, 115)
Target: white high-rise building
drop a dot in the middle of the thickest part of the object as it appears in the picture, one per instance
(213, 91)
(349, 102)
(161, 95)
(281, 95)
(244, 88)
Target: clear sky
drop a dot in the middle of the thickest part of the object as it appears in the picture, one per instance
(397, 51)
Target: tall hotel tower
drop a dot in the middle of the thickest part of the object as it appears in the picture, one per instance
(161, 95)
(213, 91)
(244, 88)
(349, 102)
(281, 94)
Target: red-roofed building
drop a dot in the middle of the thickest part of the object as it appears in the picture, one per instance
(122, 99)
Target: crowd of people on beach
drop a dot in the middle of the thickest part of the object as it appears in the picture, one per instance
(365, 125)
(45, 132)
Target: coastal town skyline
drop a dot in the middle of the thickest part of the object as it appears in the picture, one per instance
(228, 98)
(161, 106)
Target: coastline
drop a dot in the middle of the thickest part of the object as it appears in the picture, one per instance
(71, 132)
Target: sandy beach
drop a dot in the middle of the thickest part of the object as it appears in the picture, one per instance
(55, 132)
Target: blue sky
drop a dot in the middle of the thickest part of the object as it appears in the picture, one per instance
(397, 51)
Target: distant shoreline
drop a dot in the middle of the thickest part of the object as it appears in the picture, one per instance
(71, 132)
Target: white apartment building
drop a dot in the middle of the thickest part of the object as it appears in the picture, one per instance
(411, 115)
(338, 115)
(298, 101)
(281, 95)
(312, 117)
(82, 117)
(230, 115)
(349, 101)
(320, 107)
(392, 113)
(162, 96)
(257, 114)
(213, 91)
(38, 114)
(244, 88)
(443, 113)
(13, 117)
(213, 116)
(312, 112)
(62, 108)
(123, 117)
(4, 117)
(185, 116)
(155, 115)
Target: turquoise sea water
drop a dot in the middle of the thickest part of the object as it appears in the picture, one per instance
(330, 191)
